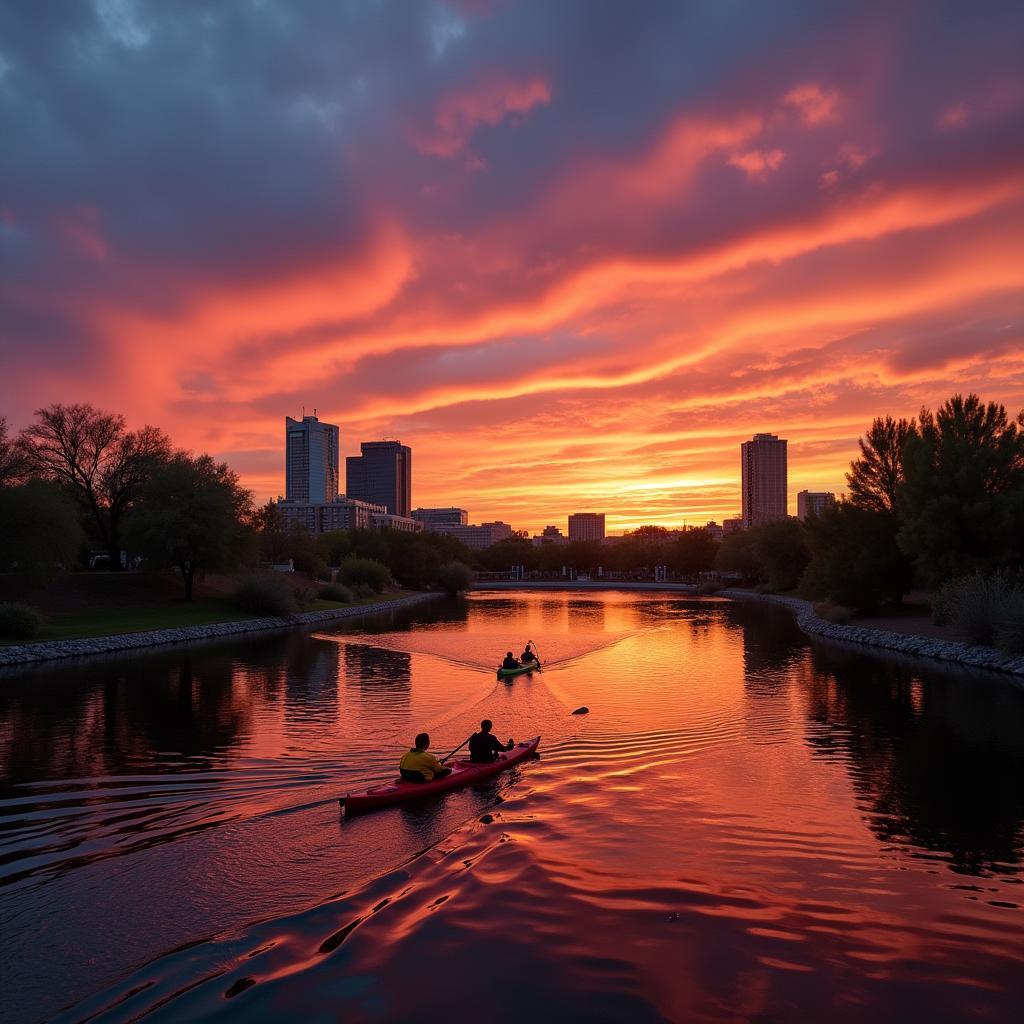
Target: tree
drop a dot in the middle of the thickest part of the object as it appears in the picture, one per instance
(694, 552)
(737, 554)
(39, 528)
(98, 460)
(455, 577)
(774, 553)
(273, 534)
(334, 546)
(13, 465)
(502, 556)
(875, 478)
(192, 515)
(962, 499)
(305, 554)
(583, 554)
(855, 560)
(781, 550)
(354, 572)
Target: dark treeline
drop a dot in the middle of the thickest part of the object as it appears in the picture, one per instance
(79, 490)
(77, 481)
(683, 554)
(935, 502)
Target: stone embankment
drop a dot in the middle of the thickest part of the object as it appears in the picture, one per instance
(26, 654)
(919, 646)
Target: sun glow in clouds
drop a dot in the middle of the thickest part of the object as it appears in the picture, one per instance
(514, 237)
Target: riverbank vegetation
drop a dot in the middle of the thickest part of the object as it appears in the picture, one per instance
(82, 496)
(934, 502)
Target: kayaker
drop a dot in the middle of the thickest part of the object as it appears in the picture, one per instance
(419, 765)
(527, 655)
(510, 662)
(483, 747)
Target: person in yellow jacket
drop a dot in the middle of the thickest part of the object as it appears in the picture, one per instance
(419, 765)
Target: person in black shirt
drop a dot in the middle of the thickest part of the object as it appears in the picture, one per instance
(510, 662)
(483, 747)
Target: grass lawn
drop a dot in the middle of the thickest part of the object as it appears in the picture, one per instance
(164, 615)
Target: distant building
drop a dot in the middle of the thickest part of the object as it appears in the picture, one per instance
(401, 524)
(764, 479)
(813, 503)
(431, 517)
(382, 475)
(586, 526)
(476, 537)
(713, 530)
(324, 516)
(550, 535)
(731, 526)
(311, 460)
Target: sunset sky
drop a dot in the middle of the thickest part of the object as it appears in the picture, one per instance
(571, 253)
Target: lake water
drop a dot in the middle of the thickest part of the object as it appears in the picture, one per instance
(745, 826)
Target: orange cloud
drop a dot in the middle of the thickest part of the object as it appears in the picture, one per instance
(459, 114)
(758, 163)
(814, 104)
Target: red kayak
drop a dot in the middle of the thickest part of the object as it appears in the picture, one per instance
(463, 773)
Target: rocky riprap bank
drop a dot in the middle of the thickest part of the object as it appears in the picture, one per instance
(921, 646)
(25, 654)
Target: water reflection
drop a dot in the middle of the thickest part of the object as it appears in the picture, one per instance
(936, 765)
(743, 826)
(55, 727)
(380, 676)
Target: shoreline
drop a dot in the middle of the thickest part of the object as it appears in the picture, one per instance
(955, 652)
(948, 651)
(48, 651)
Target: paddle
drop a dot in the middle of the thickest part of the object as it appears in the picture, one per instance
(457, 749)
(536, 653)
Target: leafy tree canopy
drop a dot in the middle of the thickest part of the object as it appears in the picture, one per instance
(962, 499)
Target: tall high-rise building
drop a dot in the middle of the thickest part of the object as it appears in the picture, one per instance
(382, 475)
(311, 460)
(586, 526)
(813, 503)
(764, 477)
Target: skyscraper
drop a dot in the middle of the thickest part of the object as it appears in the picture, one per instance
(586, 526)
(764, 478)
(311, 460)
(381, 475)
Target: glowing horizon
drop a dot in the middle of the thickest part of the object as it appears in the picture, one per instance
(573, 257)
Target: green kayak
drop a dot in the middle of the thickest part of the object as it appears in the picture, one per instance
(529, 666)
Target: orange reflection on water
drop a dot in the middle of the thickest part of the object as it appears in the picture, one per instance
(742, 825)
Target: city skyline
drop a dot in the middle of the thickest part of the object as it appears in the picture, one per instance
(599, 276)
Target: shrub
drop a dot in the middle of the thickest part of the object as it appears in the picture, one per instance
(455, 577)
(336, 592)
(855, 560)
(19, 621)
(304, 596)
(266, 595)
(1009, 632)
(831, 612)
(986, 609)
(363, 591)
(354, 572)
